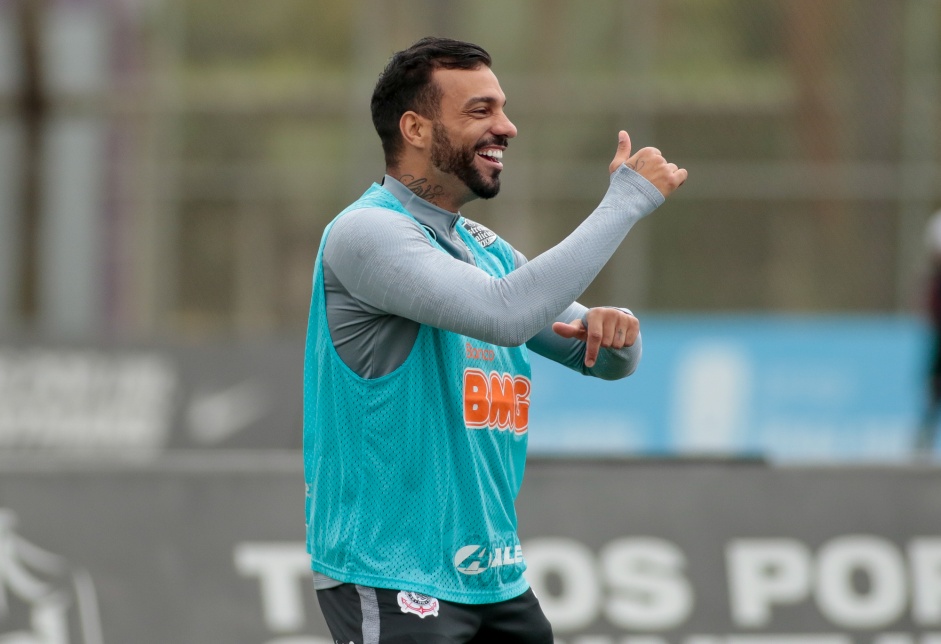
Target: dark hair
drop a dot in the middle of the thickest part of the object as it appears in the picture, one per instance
(406, 84)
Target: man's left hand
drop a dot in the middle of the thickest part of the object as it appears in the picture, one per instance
(607, 327)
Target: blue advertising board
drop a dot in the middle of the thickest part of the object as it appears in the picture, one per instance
(785, 388)
(847, 388)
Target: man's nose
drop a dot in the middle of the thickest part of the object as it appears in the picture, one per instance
(505, 127)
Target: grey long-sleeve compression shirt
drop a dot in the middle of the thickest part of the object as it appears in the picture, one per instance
(383, 278)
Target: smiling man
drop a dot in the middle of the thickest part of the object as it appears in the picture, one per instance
(417, 381)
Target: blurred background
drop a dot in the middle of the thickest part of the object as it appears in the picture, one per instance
(167, 168)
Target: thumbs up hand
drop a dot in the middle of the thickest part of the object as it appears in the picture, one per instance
(650, 164)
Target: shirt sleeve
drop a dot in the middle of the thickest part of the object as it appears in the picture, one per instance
(612, 364)
(385, 261)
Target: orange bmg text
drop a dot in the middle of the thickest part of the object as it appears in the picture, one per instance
(496, 401)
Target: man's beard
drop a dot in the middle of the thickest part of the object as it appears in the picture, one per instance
(447, 157)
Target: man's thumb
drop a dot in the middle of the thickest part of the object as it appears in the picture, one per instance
(565, 330)
(623, 153)
(624, 144)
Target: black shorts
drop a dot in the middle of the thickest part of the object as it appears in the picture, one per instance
(367, 615)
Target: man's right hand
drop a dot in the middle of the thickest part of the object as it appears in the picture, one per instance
(650, 164)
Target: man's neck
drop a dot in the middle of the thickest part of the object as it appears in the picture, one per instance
(430, 186)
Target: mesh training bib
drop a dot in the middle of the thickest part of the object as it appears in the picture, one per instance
(411, 477)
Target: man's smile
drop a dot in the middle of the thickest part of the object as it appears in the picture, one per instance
(493, 156)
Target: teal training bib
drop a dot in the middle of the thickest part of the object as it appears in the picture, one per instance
(411, 477)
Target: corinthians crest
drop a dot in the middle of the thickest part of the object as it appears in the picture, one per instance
(418, 604)
(43, 599)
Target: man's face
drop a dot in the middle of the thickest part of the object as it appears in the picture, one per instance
(472, 130)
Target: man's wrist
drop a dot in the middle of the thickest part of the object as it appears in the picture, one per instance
(627, 181)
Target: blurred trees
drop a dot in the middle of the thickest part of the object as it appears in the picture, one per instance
(791, 117)
(33, 110)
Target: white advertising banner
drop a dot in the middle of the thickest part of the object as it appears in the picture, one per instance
(207, 547)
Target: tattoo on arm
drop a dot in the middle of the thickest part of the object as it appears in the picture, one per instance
(421, 188)
(636, 167)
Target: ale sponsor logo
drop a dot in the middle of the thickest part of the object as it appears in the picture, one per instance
(474, 559)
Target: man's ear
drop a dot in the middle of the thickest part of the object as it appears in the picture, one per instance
(415, 129)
